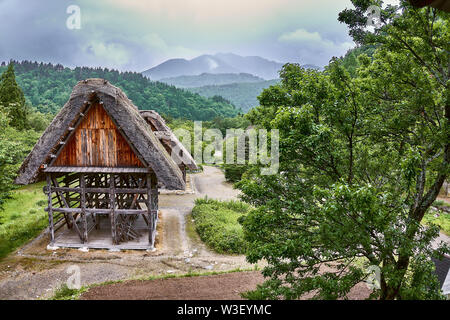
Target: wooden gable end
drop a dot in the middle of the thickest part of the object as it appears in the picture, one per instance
(97, 142)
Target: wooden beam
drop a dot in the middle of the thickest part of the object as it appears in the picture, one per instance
(151, 226)
(83, 207)
(50, 210)
(102, 190)
(112, 199)
(100, 211)
(152, 186)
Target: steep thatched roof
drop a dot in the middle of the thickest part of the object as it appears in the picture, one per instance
(126, 116)
(166, 136)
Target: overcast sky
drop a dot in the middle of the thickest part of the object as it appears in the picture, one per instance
(139, 34)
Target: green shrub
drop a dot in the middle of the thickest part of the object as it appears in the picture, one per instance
(234, 172)
(217, 224)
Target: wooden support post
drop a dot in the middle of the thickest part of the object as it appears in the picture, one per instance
(112, 204)
(83, 207)
(50, 210)
(152, 186)
(151, 225)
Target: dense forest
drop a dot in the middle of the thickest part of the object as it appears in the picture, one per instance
(242, 95)
(47, 88)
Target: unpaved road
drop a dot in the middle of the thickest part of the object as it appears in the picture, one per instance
(216, 287)
(35, 272)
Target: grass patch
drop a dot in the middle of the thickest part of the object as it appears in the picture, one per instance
(217, 223)
(65, 293)
(23, 217)
(441, 219)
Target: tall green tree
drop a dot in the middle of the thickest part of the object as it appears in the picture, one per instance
(361, 161)
(12, 98)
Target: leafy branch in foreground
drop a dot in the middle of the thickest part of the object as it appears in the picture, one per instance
(362, 159)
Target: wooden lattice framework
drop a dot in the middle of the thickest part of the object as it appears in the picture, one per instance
(83, 198)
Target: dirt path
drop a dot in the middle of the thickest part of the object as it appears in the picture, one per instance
(216, 287)
(35, 272)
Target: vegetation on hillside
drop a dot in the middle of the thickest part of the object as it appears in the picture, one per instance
(242, 95)
(211, 79)
(217, 223)
(20, 126)
(47, 87)
(362, 159)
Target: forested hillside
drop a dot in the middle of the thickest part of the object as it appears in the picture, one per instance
(47, 87)
(208, 79)
(242, 95)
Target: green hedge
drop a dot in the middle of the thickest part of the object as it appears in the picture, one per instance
(217, 223)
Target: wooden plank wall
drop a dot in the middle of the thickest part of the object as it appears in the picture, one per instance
(97, 143)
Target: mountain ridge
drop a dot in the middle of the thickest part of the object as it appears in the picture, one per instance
(215, 64)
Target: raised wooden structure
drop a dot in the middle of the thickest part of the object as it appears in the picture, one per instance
(101, 162)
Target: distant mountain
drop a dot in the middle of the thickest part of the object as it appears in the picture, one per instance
(242, 95)
(206, 79)
(218, 63)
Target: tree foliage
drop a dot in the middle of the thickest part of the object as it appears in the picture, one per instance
(362, 158)
(12, 100)
(20, 127)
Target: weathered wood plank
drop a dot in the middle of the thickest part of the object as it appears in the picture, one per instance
(97, 142)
